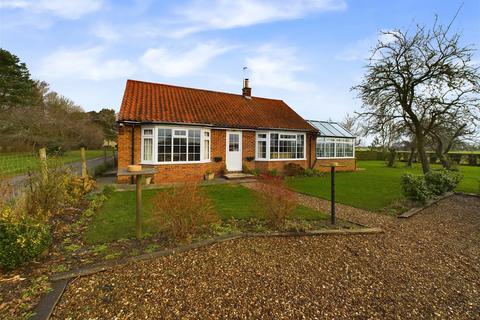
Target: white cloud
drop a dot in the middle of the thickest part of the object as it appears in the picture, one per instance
(180, 62)
(362, 49)
(88, 64)
(68, 9)
(201, 15)
(277, 67)
(106, 32)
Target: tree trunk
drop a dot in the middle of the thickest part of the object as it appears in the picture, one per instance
(422, 154)
(410, 157)
(442, 156)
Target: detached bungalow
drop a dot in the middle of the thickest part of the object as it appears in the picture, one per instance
(184, 133)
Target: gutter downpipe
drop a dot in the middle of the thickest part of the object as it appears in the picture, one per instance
(132, 160)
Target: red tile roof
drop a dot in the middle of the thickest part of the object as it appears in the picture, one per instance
(154, 102)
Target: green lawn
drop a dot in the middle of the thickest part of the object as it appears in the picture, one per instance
(116, 219)
(12, 164)
(376, 187)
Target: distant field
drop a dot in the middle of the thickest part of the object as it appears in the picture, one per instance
(12, 164)
(460, 151)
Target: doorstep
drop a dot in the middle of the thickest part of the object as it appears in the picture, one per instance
(237, 175)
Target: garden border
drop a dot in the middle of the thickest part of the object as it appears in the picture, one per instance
(429, 203)
(48, 302)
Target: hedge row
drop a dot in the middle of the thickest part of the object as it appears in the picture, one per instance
(470, 159)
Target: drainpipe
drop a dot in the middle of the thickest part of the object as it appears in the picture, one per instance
(314, 151)
(132, 152)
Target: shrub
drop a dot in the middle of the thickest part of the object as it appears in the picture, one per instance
(104, 167)
(433, 157)
(414, 187)
(308, 172)
(272, 173)
(184, 211)
(472, 159)
(21, 239)
(441, 181)
(53, 187)
(293, 169)
(108, 190)
(456, 157)
(255, 171)
(275, 202)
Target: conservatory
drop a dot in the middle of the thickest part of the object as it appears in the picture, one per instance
(333, 141)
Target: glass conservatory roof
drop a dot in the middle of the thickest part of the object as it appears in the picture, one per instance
(330, 129)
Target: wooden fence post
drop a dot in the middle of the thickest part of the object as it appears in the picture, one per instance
(43, 162)
(84, 163)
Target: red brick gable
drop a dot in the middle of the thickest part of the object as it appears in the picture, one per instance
(154, 102)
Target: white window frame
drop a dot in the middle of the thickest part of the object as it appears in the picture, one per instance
(258, 139)
(335, 141)
(204, 138)
(155, 128)
(268, 133)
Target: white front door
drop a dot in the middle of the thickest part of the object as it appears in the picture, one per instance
(234, 151)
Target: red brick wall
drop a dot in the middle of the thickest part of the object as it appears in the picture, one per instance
(350, 164)
(178, 172)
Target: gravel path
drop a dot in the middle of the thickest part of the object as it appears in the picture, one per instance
(426, 267)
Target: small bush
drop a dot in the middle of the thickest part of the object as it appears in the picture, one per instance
(108, 190)
(104, 167)
(456, 157)
(414, 187)
(52, 188)
(272, 173)
(255, 171)
(293, 169)
(441, 181)
(275, 202)
(472, 159)
(21, 239)
(433, 157)
(183, 212)
(308, 172)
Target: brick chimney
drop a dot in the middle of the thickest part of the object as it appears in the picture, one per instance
(246, 91)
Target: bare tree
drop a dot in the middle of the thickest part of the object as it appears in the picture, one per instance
(418, 81)
(351, 123)
(449, 132)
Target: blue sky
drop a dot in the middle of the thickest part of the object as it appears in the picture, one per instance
(308, 53)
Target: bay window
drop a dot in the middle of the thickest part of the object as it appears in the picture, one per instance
(175, 145)
(280, 146)
(335, 147)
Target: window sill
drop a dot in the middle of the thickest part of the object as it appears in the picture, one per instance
(271, 160)
(327, 158)
(174, 162)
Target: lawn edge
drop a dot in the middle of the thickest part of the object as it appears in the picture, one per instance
(49, 300)
(410, 213)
